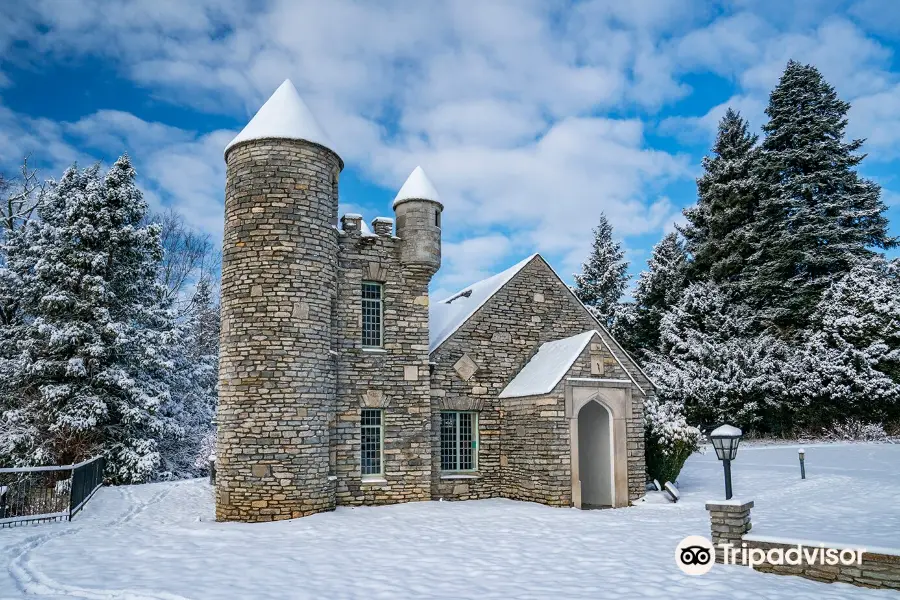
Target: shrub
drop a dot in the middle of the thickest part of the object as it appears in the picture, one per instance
(669, 440)
(855, 430)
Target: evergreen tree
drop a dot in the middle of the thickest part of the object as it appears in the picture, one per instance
(604, 275)
(707, 364)
(817, 218)
(94, 362)
(658, 288)
(717, 226)
(194, 388)
(849, 359)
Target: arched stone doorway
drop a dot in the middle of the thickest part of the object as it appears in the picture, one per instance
(595, 456)
(598, 413)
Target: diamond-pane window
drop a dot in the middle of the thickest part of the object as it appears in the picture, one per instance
(459, 441)
(371, 442)
(372, 315)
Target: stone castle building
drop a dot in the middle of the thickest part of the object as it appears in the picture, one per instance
(343, 383)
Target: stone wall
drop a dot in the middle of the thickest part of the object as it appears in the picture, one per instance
(877, 570)
(532, 308)
(276, 374)
(730, 523)
(394, 378)
(534, 460)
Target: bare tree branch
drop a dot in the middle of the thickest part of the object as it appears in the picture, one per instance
(20, 197)
(188, 259)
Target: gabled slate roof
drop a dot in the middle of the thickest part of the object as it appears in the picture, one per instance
(546, 368)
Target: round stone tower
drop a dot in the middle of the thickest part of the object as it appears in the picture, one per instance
(418, 216)
(276, 373)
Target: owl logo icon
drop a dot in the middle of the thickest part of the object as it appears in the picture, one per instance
(695, 555)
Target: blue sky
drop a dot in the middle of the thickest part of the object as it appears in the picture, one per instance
(530, 117)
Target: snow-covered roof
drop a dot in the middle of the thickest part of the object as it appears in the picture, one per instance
(726, 431)
(417, 187)
(546, 368)
(449, 314)
(285, 116)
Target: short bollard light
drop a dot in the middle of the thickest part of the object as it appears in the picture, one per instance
(802, 454)
(725, 440)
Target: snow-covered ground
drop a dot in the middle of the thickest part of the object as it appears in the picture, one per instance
(851, 494)
(159, 542)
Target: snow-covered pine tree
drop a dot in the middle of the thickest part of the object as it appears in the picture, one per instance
(817, 217)
(604, 275)
(185, 447)
(94, 361)
(187, 272)
(658, 288)
(707, 364)
(849, 359)
(717, 226)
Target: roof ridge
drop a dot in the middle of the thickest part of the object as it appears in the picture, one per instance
(519, 264)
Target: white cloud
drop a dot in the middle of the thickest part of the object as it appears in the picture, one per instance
(529, 116)
(876, 117)
(174, 167)
(21, 136)
(851, 61)
(724, 47)
(750, 50)
(879, 16)
(191, 177)
(470, 260)
(678, 220)
(703, 129)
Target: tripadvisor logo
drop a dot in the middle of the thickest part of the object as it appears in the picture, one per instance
(695, 555)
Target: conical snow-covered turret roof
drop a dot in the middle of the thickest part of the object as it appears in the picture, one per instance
(417, 187)
(285, 116)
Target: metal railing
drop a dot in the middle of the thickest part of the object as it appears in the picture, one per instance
(57, 493)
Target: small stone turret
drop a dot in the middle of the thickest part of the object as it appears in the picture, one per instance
(418, 209)
(279, 269)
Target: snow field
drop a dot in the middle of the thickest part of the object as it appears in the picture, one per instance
(159, 542)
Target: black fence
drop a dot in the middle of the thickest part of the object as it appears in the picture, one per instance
(32, 494)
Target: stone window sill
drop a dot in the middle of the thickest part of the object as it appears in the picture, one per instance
(375, 350)
(460, 476)
(373, 481)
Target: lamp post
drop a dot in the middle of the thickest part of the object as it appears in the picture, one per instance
(725, 440)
